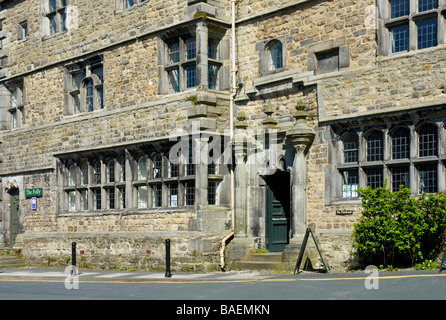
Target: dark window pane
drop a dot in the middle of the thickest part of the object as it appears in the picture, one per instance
(401, 143)
(427, 33)
(399, 8)
(399, 38)
(424, 5)
(427, 140)
(374, 142)
(427, 178)
(400, 177)
(374, 178)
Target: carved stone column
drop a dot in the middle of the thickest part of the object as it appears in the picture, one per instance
(241, 177)
(300, 136)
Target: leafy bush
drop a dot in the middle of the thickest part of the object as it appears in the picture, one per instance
(397, 229)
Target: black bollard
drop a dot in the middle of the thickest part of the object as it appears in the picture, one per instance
(168, 274)
(73, 257)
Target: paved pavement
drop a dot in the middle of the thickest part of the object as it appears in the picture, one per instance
(131, 276)
(232, 276)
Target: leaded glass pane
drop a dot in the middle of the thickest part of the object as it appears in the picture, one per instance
(427, 140)
(374, 147)
(400, 143)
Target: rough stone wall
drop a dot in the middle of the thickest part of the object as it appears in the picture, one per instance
(134, 113)
(306, 27)
(395, 83)
(33, 149)
(91, 26)
(123, 251)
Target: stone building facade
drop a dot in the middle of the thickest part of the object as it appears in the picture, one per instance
(112, 113)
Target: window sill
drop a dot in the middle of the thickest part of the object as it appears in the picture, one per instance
(346, 201)
(372, 164)
(432, 159)
(408, 54)
(123, 11)
(349, 166)
(277, 76)
(398, 162)
(272, 72)
(47, 37)
(215, 177)
(133, 211)
(22, 40)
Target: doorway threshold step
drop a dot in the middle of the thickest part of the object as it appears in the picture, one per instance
(268, 256)
(258, 265)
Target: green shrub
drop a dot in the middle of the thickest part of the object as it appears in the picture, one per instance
(397, 229)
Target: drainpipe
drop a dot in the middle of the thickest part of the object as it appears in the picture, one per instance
(231, 132)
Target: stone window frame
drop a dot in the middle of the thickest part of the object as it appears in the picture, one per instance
(192, 181)
(180, 64)
(386, 23)
(276, 55)
(264, 48)
(210, 70)
(79, 77)
(103, 191)
(215, 63)
(54, 17)
(77, 189)
(213, 194)
(16, 110)
(164, 181)
(338, 45)
(388, 166)
(23, 30)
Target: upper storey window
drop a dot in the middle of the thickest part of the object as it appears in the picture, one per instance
(55, 12)
(22, 31)
(127, 4)
(192, 57)
(85, 86)
(399, 8)
(16, 111)
(182, 68)
(275, 56)
(350, 147)
(411, 27)
(272, 57)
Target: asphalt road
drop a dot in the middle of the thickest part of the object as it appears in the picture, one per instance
(43, 285)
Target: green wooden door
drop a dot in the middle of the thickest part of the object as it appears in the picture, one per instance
(277, 212)
(14, 226)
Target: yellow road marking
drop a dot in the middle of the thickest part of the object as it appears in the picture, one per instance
(231, 281)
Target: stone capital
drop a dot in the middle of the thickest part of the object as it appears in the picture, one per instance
(300, 135)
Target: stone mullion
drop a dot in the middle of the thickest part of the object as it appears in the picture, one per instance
(202, 54)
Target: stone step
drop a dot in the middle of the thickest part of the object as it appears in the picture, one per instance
(268, 257)
(11, 262)
(258, 265)
(261, 261)
(8, 260)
